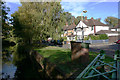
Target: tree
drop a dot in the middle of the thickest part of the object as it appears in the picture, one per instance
(37, 21)
(99, 19)
(5, 24)
(78, 19)
(112, 21)
(69, 18)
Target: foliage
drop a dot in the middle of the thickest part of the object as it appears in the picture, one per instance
(96, 37)
(64, 38)
(69, 18)
(5, 24)
(38, 21)
(86, 38)
(103, 36)
(78, 18)
(98, 19)
(112, 21)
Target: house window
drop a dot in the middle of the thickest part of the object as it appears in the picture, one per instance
(69, 38)
(92, 28)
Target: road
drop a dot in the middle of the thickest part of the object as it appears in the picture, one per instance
(109, 48)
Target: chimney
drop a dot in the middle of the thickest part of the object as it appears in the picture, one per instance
(85, 17)
(66, 23)
(92, 18)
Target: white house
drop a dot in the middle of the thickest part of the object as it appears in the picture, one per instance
(90, 26)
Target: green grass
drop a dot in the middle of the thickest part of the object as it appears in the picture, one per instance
(55, 54)
(62, 58)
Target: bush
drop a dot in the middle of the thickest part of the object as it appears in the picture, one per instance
(86, 38)
(64, 38)
(96, 37)
(103, 36)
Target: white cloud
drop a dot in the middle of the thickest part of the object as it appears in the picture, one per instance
(74, 7)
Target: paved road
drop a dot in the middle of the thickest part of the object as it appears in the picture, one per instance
(109, 48)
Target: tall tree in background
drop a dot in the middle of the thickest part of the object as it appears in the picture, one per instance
(69, 18)
(112, 21)
(99, 19)
(5, 24)
(78, 19)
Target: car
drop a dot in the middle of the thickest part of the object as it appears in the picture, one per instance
(59, 42)
(118, 42)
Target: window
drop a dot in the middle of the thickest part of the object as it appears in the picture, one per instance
(69, 38)
(92, 28)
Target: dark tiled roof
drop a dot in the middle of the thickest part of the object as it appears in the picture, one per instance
(70, 27)
(71, 35)
(115, 27)
(91, 22)
(105, 31)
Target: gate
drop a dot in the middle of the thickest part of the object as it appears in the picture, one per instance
(96, 69)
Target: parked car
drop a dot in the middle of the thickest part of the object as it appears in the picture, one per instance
(59, 42)
(118, 42)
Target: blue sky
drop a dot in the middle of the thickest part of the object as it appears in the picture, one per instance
(94, 9)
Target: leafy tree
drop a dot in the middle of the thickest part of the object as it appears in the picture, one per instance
(99, 19)
(112, 21)
(69, 18)
(5, 24)
(37, 21)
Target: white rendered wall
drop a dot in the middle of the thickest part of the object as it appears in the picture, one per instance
(80, 24)
(98, 28)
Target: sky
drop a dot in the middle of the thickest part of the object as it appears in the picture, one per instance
(94, 9)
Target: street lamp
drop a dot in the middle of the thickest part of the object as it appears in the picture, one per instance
(84, 11)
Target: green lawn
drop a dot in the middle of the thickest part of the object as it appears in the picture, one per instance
(62, 58)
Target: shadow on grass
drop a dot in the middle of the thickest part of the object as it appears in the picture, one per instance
(62, 60)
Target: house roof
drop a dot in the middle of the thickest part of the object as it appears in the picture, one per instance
(91, 22)
(116, 27)
(69, 27)
(105, 31)
(71, 35)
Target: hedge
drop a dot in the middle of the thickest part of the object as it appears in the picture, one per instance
(96, 37)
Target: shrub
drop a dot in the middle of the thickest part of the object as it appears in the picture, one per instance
(96, 37)
(103, 36)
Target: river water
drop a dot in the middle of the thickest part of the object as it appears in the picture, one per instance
(8, 68)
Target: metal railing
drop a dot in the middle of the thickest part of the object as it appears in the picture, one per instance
(96, 69)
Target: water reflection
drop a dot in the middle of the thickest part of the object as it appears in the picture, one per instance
(8, 68)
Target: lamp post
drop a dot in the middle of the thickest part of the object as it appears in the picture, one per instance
(84, 11)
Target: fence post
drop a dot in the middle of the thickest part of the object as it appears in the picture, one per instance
(118, 64)
(114, 74)
(102, 53)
